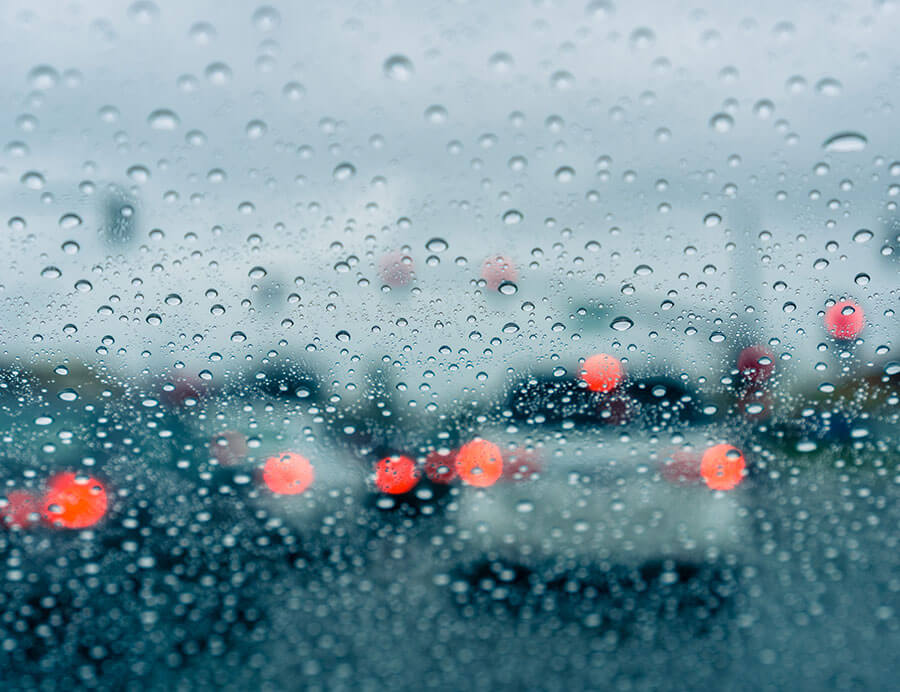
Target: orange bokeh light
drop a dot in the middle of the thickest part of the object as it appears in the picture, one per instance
(722, 467)
(602, 372)
(396, 475)
(288, 473)
(479, 463)
(74, 502)
(845, 319)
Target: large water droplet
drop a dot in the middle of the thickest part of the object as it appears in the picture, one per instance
(436, 245)
(621, 324)
(845, 142)
(863, 235)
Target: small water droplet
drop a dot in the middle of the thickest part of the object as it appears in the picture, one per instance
(513, 216)
(256, 129)
(721, 122)
(33, 180)
(68, 395)
(399, 68)
(562, 80)
(501, 62)
(218, 73)
(436, 115)
(344, 171)
(829, 86)
(565, 174)
(266, 18)
(43, 77)
(163, 119)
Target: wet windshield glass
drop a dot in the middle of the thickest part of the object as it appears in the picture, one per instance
(412, 345)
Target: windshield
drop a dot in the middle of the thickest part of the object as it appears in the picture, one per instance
(542, 345)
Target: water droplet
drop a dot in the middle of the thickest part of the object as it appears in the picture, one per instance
(436, 115)
(83, 285)
(143, 12)
(845, 142)
(139, 174)
(436, 245)
(501, 62)
(218, 73)
(51, 273)
(344, 171)
(764, 109)
(68, 395)
(712, 219)
(829, 86)
(621, 324)
(33, 180)
(565, 174)
(512, 217)
(562, 80)
(256, 129)
(863, 235)
(163, 119)
(642, 37)
(399, 68)
(154, 319)
(43, 77)
(202, 33)
(721, 122)
(238, 337)
(293, 91)
(266, 18)
(173, 299)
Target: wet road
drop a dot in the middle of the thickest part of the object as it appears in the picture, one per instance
(373, 599)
